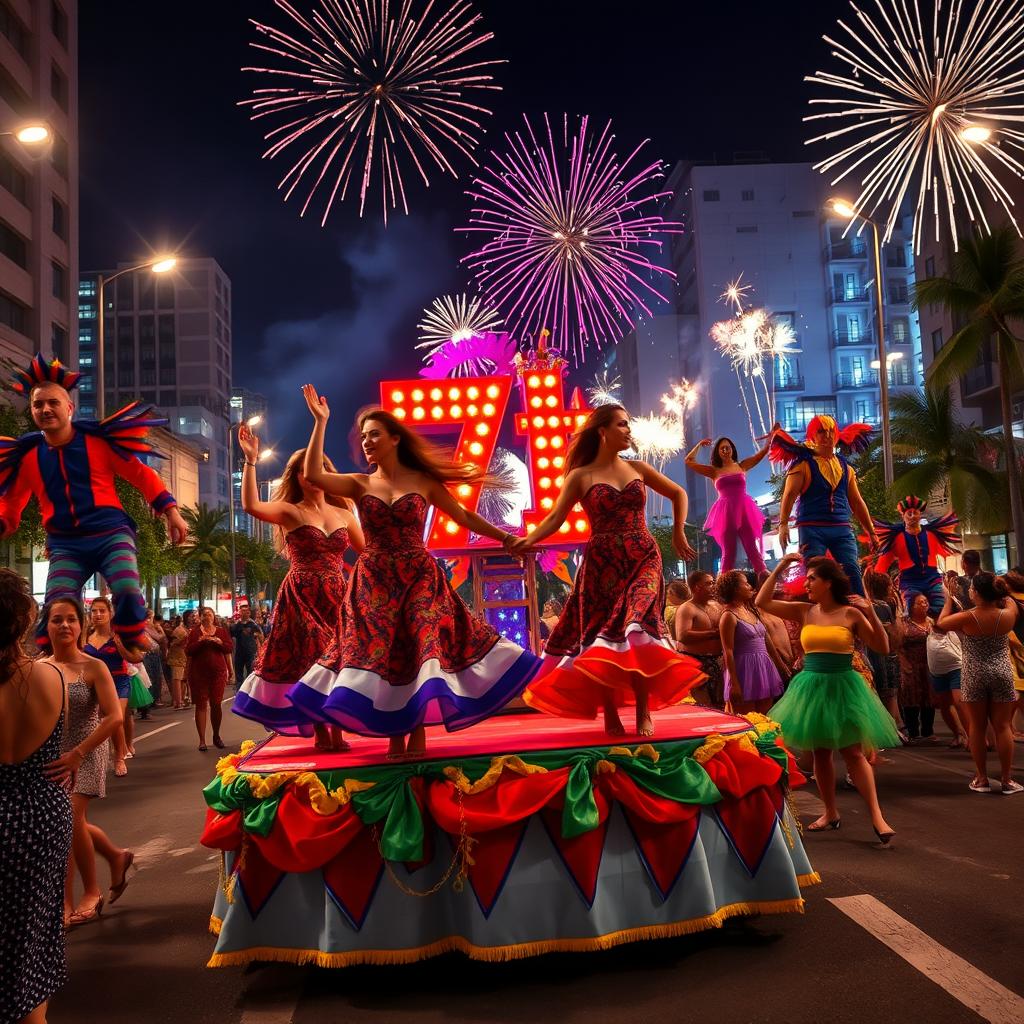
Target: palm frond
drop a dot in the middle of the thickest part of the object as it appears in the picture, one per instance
(959, 355)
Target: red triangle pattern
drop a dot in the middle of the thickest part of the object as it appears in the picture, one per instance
(257, 878)
(581, 855)
(493, 854)
(664, 847)
(749, 824)
(353, 875)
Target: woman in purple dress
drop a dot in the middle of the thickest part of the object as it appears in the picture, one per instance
(753, 668)
(408, 651)
(735, 516)
(315, 531)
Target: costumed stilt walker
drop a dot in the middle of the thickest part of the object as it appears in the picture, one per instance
(316, 531)
(823, 486)
(735, 518)
(409, 652)
(70, 467)
(611, 646)
(914, 546)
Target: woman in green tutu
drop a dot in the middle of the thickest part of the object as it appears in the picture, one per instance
(829, 706)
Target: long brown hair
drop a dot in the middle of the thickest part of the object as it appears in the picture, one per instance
(17, 610)
(415, 452)
(716, 459)
(290, 490)
(586, 441)
(829, 570)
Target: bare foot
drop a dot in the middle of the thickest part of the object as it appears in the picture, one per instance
(416, 747)
(396, 748)
(612, 723)
(644, 725)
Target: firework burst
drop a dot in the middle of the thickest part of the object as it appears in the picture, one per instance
(656, 438)
(370, 87)
(604, 390)
(455, 318)
(568, 235)
(920, 107)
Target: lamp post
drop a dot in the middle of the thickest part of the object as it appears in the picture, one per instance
(844, 209)
(32, 134)
(161, 265)
(266, 453)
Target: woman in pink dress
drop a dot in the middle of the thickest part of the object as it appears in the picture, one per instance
(408, 651)
(735, 516)
(611, 646)
(315, 531)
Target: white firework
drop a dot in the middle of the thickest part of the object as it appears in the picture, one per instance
(504, 505)
(926, 105)
(680, 399)
(456, 318)
(604, 390)
(656, 438)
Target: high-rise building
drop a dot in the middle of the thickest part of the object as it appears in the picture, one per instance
(769, 223)
(38, 182)
(246, 405)
(167, 340)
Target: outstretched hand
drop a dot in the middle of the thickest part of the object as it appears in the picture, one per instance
(316, 403)
(787, 560)
(177, 528)
(248, 442)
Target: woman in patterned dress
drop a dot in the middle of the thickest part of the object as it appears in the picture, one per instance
(35, 815)
(408, 651)
(915, 690)
(611, 646)
(94, 713)
(315, 530)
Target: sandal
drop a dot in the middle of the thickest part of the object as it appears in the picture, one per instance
(1012, 788)
(120, 768)
(85, 916)
(116, 891)
(979, 787)
(203, 748)
(219, 743)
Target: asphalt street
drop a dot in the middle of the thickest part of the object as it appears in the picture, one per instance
(946, 899)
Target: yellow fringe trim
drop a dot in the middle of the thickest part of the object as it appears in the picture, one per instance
(518, 951)
(227, 765)
(762, 723)
(715, 744)
(805, 881)
(605, 767)
(325, 801)
(215, 924)
(644, 750)
(512, 762)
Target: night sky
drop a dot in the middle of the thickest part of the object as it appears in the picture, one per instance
(169, 161)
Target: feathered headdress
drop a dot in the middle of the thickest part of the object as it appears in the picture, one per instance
(853, 438)
(39, 371)
(909, 502)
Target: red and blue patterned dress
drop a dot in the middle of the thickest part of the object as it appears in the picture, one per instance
(305, 624)
(408, 651)
(611, 632)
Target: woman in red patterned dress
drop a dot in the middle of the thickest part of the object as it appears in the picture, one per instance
(408, 651)
(315, 530)
(611, 646)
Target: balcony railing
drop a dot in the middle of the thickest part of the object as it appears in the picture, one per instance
(863, 337)
(837, 296)
(846, 249)
(856, 381)
(789, 384)
(902, 376)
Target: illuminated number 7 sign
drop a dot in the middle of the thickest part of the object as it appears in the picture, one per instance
(477, 405)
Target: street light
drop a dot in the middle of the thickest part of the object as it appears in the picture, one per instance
(845, 210)
(267, 453)
(31, 134)
(160, 265)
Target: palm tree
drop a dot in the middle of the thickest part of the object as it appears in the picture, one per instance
(941, 452)
(985, 292)
(207, 555)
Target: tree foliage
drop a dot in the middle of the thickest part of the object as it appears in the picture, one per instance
(207, 556)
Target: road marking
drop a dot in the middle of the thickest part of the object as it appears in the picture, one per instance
(153, 732)
(938, 764)
(180, 852)
(962, 980)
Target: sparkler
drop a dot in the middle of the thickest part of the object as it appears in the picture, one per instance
(920, 105)
(604, 390)
(369, 86)
(567, 238)
(505, 504)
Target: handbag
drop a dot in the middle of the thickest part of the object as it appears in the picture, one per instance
(943, 652)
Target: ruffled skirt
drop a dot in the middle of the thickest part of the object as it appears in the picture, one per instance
(829, 706)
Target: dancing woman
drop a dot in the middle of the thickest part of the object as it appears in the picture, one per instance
(315, 530)
(735, 516)
(408, 651)
(611, 646)
(829, 706)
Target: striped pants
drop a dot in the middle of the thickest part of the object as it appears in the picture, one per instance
(74, 559)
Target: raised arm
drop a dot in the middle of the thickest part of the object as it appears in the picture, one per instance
(660, 484)
(950, 621)
(572, 492)
(280, 513)
(344, 484)
(868, 626)
(752, 460)
(795, 611)
(442, 499)
(13, 503)
(698, 467)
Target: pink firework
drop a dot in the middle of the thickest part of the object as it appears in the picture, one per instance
(370, 86)
(567, 236)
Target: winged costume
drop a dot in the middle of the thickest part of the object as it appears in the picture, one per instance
(823, 509)
(915, 553)
(87, 530)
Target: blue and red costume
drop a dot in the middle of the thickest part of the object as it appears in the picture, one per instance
(915, 553)
(87, 529)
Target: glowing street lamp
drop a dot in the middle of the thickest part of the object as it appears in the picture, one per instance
(32, 134)
(843, 208)
(158, 265)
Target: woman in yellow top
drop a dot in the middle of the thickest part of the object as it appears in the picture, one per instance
(828, 706)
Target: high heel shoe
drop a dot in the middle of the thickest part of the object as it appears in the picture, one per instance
(79, 917)
(884, 837)
(832, 823)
